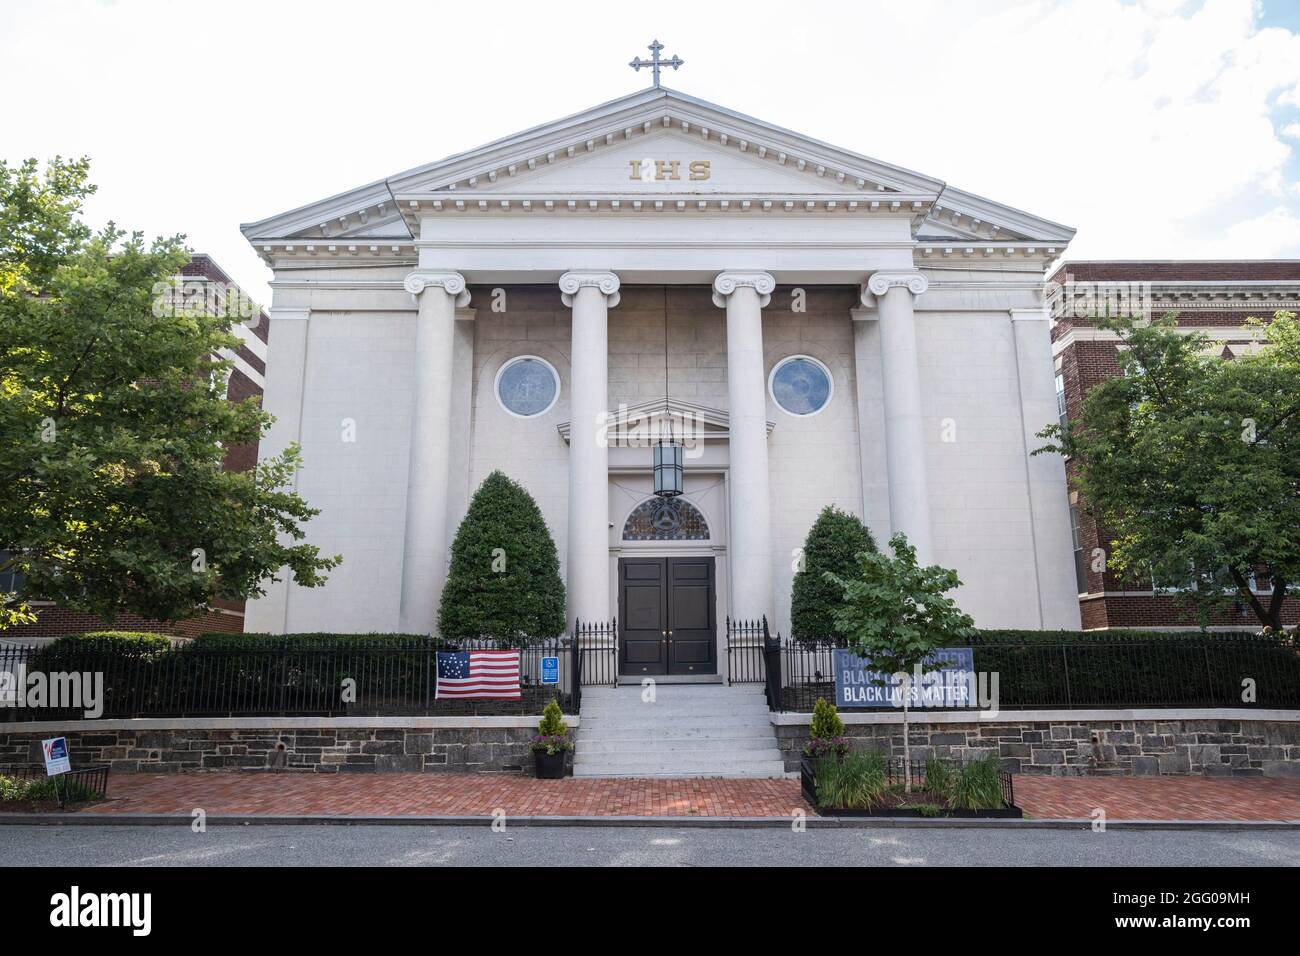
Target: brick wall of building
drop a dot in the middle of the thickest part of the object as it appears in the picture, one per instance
(1226, 294)
(58, 621)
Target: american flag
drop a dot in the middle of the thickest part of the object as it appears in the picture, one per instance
(483, 674)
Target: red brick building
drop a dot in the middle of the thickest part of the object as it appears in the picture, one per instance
(1214, 297)
(200, 279)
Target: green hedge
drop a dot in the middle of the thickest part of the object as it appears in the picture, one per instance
(1119, 636)
(136, 645)
(312, 640)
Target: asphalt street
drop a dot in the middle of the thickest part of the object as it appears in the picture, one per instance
(640, 846)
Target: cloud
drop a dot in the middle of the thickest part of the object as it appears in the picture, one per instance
(1161, 128)
(1273, 235)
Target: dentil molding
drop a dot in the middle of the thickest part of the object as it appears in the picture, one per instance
(453, 283)
(606, 283)
(728, 282)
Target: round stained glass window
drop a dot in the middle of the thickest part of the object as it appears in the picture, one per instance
(801, 385)
(527, 386)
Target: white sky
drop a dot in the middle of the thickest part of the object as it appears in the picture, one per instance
(1158, 128)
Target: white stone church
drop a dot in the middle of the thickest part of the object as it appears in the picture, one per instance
(800, 324)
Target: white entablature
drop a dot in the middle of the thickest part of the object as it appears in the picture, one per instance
(655, 153)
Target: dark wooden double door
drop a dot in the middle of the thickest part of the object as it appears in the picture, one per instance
(667, 616)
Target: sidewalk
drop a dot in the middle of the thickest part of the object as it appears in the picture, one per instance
(437, 794)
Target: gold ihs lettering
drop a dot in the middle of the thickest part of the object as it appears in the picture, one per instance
(667, 168)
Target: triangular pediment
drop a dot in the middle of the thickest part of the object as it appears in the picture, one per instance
(645, 423)
(667, 162)
(702, 154)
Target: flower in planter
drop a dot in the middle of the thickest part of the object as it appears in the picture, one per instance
(827, 747)
(552, 735)
(827, 732)
(551, 744)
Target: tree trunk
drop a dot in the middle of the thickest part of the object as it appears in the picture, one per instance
(1275, 603)
(907, 746)
(1261, 612)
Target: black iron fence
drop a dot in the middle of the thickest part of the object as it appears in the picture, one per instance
(595, 654)
(1213, 670)
(84, 783)
(300, 676)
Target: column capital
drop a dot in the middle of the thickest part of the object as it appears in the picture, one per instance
(453, 283)
(881, 282)
(604, 282)
(726, 283)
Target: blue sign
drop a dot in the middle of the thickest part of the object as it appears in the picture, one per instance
(550, 670)
(857, 684)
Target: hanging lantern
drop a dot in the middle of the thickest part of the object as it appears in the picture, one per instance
(668, 469)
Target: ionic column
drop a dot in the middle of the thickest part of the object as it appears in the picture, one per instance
(591, 295)
(909, 493)
(424, 555)
(749, 547)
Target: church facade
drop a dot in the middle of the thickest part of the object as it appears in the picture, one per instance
(809, 326)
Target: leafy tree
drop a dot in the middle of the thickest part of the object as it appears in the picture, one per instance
(504, 580)
(113, 423)
(833, 544)
(896, 614)
(1193, 462)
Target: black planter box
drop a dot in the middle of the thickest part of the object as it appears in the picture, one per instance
(808, 786)
(549, 766)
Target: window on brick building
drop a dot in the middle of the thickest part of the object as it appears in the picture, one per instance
(1060, 399)
(1080, 569)
(10, 580)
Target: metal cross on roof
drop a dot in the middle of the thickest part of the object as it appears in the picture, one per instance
(654, 62)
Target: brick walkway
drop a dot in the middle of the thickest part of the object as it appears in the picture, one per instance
(1167, 798)
(398, 794)
(1160, 798)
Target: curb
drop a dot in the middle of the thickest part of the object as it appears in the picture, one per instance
(737, 823)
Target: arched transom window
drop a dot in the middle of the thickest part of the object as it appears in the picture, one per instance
(665, 519)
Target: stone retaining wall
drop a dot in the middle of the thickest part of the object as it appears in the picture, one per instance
(464, 749)
(1210, 747)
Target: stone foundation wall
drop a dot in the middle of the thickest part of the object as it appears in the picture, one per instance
(466, 749)
(1209, 747)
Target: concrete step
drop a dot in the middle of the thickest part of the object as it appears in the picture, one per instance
(694, 689)
(763, 773)
(674, 744)
(628, 680)
(700, 712)
(690, 730)
(681, 768)
(673, 730)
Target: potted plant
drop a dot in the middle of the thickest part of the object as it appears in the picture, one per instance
(826, 736)
(551, 743)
